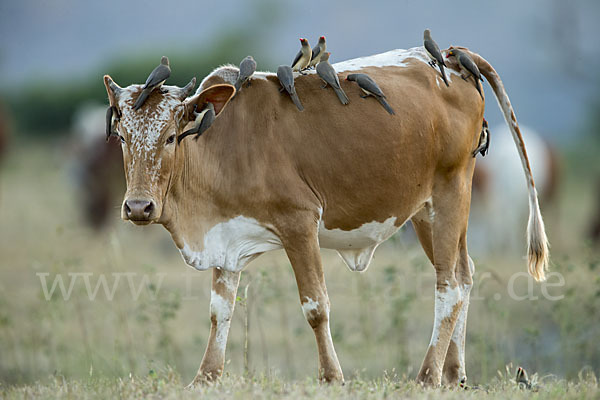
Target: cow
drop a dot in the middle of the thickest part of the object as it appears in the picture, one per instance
(265, 176)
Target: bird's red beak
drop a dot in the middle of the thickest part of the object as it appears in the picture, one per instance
(322, 37)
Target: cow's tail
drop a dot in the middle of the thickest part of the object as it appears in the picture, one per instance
(537, 242)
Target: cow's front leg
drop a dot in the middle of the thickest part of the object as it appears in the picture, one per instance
(302, 249)
(222, 302)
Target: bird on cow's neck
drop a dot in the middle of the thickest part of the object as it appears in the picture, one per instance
(326, 72)
(370, 88)
(468, 66)
(286, 78)
(247, 68)
(317, 51)
(157, 77)
(434, 53)
(302, 60)
(202, 122)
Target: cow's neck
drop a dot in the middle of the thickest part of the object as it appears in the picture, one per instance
(194, 202)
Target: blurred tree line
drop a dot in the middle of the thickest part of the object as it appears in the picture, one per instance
(45, 108)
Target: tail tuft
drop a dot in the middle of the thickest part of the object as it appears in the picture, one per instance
(537, 242)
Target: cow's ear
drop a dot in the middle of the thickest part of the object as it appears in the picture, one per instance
(113, 90)
(218, 95)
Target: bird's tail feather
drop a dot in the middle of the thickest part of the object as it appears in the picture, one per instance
(341, 95)
(141, 99)
(444, 74)
(386, 105)
(238, 85)
(296, 100)
(537, 241)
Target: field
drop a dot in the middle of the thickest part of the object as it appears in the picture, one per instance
(130, 320)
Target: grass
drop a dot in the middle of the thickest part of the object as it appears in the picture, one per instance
(168, 385)
(103, 346)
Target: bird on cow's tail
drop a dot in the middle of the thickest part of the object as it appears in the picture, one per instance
(302, 60)
(286, 78)
(466, 64)
(327, 73)
(247, 68)
(370, 88)
(484, 140)
(317, 51)
(202, 122)
(157, 77)
(434, 53)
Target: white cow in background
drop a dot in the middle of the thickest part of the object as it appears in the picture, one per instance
(499, 206)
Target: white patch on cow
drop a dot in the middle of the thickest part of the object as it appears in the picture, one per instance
(230, 245)
(308, 306)
(444, 306)
(229, 280)
(356, 246)
(437, 80)
(458, 336)
(222, 310)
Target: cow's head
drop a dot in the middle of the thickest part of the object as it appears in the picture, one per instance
(149, 140)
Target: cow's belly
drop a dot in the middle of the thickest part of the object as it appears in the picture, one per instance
(356, 247)
(231, 245)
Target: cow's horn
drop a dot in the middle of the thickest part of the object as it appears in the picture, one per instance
(187, 89)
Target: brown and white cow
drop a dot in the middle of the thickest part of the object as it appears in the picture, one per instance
(265, 176)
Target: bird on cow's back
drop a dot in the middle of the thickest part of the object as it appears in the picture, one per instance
(468, 66)
(247, 68)
(434, 53)
(157, 77)
(318, 51)
(286, 78)
(327, 73)
(302, 60)
(370, 88)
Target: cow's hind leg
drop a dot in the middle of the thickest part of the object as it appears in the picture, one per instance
(454, 366)
(302, 248)
(450, 203)
(222, 302)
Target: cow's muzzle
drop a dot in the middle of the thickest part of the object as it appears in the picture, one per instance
(139, 211)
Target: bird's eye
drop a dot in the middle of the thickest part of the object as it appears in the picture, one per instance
(122, 139)
(170, 139)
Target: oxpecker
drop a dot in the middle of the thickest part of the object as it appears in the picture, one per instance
(467, 64)
(286, 78)
(247, 68)
(484, 140)
(202, 122)
(318, 51)
(157, 77)
(329, 76)
(434, 53)
(302, 60)
(522, 379)
(370, 88)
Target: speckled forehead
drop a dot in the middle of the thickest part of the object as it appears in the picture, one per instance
(145, 125)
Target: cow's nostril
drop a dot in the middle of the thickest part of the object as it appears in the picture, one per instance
(148, 209)
(127, 209)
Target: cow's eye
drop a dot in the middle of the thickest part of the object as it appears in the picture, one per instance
(170, 139)
(122, 139)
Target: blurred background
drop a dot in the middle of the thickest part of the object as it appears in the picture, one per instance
(61, 186)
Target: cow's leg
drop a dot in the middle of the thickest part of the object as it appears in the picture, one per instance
(422, 222)
(454, 366)
(302, 249)
(222, 302)
(451, 207)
